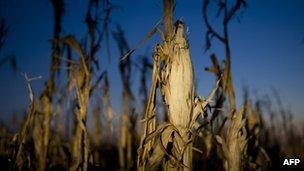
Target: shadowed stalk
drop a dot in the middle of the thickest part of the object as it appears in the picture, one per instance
(125, 147)
(234, 144)
(107, 10)
(224, 39)
(82, 81)
(257, 157)
(82, 84)
(43, 123)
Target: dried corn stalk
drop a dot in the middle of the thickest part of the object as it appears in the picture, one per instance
(171, 141)
(228, 11)
(80, 148)
(43, 122)
(178, 92)
(41, 132)
(23, 135)
(126, 131)
(82, 83)
(149, 125)
(256, 154)
(82, 79)
(235, 142)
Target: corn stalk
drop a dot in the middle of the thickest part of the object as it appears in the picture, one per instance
(234, 143)
(43, 122)
(149, 118)
(80, 150)
(125, 147)
(82, 83)
(25, 130)
(171, 141)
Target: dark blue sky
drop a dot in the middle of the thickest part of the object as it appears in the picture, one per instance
(266, 46)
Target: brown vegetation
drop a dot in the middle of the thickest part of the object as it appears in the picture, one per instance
(211, 133)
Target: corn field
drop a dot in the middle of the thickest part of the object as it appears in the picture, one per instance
(74, 122)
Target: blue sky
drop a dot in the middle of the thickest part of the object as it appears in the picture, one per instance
(266, 46)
